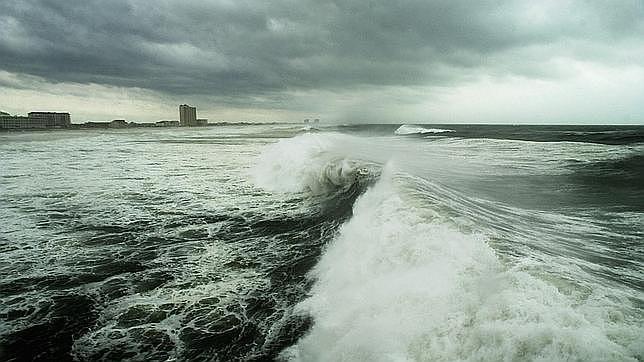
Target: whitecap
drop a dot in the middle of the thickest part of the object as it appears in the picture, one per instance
(406, 129)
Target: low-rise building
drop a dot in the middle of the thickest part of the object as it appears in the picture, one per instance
(118, 123)
(35, 120)
(14, 122)
(50, 119)
(195, 123)
(96, 125)
(168, 124)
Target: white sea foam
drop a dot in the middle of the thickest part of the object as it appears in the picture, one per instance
(406, 129)
(305, 164)
(404, 284)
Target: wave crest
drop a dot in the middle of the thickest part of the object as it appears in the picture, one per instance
(307, 163)
(406, 129)
(405, 283)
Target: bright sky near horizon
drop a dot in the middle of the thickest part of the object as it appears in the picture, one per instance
(416, 61)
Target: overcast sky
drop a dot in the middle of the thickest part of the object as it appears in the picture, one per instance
(422, 61)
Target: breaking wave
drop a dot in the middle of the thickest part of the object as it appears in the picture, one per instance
(401, 283)
(410, 129)
(407, 280)
(308, 164)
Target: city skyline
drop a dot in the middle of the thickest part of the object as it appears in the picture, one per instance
(420, 61)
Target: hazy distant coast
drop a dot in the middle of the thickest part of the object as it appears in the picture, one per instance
(38, 121)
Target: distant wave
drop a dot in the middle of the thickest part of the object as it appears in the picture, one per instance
(309, 129)
(410, 129)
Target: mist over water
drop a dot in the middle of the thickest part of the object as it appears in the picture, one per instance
(376, 242)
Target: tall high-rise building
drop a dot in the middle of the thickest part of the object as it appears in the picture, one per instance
(187, 115)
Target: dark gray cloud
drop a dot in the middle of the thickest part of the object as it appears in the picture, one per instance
(236, 49)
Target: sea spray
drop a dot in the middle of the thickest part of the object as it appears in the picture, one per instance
(402, 284)
(309, 163)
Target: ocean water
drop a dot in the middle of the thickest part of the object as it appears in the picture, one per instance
(336, 243)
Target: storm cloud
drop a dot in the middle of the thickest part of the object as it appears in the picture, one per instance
(243, 52)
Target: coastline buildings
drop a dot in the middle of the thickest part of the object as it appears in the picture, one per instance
(50, 119)
(117, 123)
(35, 120)
(12, 122)
(167, 124)
(62, 120)
(188, 117)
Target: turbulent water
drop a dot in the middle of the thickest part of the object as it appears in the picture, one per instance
(356, 243)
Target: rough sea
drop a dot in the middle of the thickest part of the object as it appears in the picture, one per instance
(325, 243)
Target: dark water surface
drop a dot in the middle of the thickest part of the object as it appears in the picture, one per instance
(348, 242)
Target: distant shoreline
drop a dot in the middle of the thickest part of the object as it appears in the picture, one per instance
(106, 125)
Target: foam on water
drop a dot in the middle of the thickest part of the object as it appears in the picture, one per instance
(404, 280)
(406, 129)
(307, 163)
(401, 283)
(135, 251)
